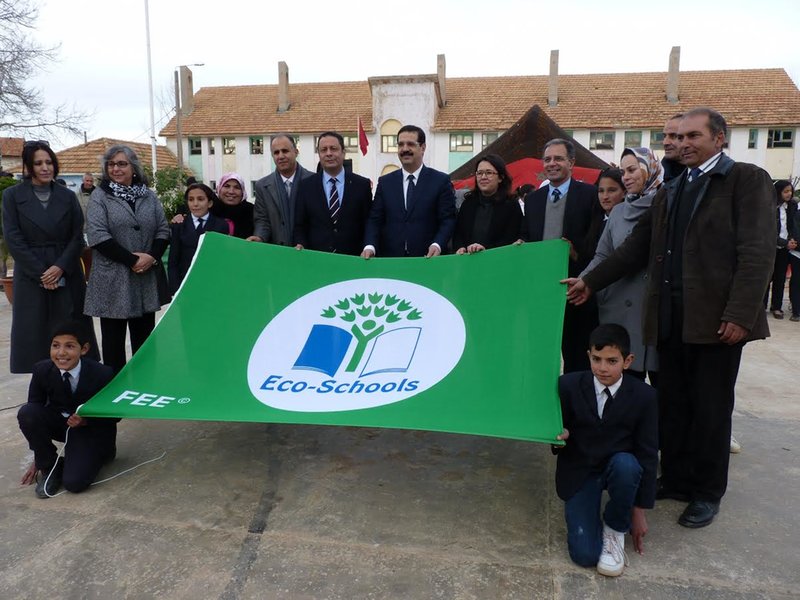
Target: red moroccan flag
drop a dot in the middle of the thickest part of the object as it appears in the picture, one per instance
(363, 142)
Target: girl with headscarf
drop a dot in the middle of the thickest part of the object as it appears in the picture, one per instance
(622, 302)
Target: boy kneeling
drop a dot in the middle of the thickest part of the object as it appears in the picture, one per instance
(58, 386)
(611, 435)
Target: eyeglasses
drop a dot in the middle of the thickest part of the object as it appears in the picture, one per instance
(120, 163)
(32, 143)
(485, 173)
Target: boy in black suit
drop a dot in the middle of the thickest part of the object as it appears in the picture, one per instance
(611, 435)
(58, 386)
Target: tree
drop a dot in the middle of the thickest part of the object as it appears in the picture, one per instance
(169, 183)
(22, 107)
(366, 312)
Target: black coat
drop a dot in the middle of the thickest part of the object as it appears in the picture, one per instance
(183, 245)
(39, 238)
(506, 218)
(313, 227)
(629, 424)
(48, 388)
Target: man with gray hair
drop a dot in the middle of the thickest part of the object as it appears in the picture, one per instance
(708, 242)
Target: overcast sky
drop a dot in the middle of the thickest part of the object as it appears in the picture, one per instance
(102, 66)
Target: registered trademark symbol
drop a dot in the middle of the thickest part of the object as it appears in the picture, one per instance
(184, 400)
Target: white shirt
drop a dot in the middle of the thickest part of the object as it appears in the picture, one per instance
(784, 232)
(708, 165)
(600, 392)
(405, 183)
(196, 220)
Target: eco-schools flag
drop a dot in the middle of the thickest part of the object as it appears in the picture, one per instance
(465, 344)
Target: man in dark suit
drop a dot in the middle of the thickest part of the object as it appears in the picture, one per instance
(563, 209)
(276, 194)
(672, 152)
(414, 211)
(708, 245)
(611, 435)
(59, 385)
(333, 205)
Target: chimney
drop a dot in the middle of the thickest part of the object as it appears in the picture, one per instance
(440, 74)
(674, 74)
(283, 87)
(552, 92)
(187, 91)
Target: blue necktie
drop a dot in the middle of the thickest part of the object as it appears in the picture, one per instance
(695, 173)
(556, 196)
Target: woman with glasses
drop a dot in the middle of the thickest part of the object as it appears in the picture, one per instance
(43, 227)
(622, 302)
(490, 216)
(129, 233)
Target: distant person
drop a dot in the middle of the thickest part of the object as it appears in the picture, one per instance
(489, 216)
(563, 210)
(84, 192)
(611, 443)
(414, 209)
(59, 385)
(332, 205)
(522, 191)
(129, 233)
(787, 241)
(671, 162)
(276, 194)
(610, 192)
(42, 227)
(186, 235)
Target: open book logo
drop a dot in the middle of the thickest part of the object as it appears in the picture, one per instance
(382, 322)
(356, 344)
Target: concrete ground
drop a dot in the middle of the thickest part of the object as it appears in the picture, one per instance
(286, 511)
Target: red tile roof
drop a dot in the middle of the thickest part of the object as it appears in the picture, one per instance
(747, 97)
(11, 146)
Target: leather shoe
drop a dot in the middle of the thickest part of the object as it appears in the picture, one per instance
(49, 482)
(664, 492)
(699, 513)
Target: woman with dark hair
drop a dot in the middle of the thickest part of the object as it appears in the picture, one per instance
(128, 232)
(490, 215)
(43, 227)
(233, 206)
(622, 302)
(787, 241)
(610, 192)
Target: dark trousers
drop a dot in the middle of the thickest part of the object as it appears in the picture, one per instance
(114, 331)
(579, 322)
(794, 285)
(87, 448)
(778, 279)
(696, 395)
(621, 478)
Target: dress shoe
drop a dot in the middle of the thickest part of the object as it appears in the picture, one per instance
(49, 482)
(778, 314)
(664, 492)
(699, 513)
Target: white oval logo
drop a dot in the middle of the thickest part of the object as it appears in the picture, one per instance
(356, 344)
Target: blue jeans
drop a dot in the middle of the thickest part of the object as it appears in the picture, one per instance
(582, 512)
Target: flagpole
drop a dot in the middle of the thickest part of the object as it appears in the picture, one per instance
(150, 86)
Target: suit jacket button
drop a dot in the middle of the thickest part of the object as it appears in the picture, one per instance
(628, 303)
(659, 258)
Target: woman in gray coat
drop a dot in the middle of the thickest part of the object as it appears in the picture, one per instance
(622, 302)
(43, 224)
(129, 233)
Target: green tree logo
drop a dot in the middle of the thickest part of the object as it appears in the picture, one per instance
(369, 315)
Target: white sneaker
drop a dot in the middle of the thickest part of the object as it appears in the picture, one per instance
(613, 558)
(736, 447)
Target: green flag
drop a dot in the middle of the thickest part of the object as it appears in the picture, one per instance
(465, 344)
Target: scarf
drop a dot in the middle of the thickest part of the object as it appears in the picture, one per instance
(653, 170)
(129, 193)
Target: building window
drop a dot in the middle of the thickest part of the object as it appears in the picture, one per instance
(252, 188)
(569, 132)
(213, 184)
(779, 138)
(388, 143)
(211, 149)
(656, 139)
(752, 139)
(633, 139)
(601, 140)
(487, 137)
(229, 145)
(350, 143)
(460, 142)
(257, 145)
(195, 146)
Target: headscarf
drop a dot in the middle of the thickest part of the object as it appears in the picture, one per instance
(653, 170)
(235, 176)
